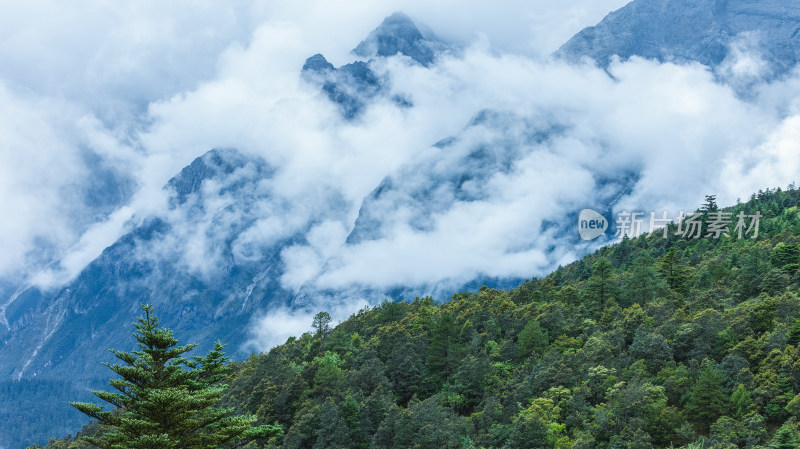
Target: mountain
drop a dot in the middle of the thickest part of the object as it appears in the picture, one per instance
(399, 34)
(141, 267)
(207, 274)
(653, 342)
(463, 169)
(353, 85)
(705, 31)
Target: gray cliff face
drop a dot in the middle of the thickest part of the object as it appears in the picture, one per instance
(704, 31)
(456, 169)
(399, 34)
(352, 86)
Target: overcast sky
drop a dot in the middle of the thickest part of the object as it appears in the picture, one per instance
(110, 100)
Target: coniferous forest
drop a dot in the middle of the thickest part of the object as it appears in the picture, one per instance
(649, 343)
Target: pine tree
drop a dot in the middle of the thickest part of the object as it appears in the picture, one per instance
(445, 349)
(351, 415)
(708, 400)
(166, 400)
(643, 284)
(532, 339)
(601, 286)
(322, 327)
(741, 402)
(672, 270)
(710, 205)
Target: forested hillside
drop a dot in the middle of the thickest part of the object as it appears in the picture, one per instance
(652, 342)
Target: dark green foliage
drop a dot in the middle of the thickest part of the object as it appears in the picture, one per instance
(794, 333)
(774, 282)
(444, 349)
(653, 349)
(642, 285)
(351, 415)
(601, 286)
(784, 438)
(708, 399)
(673, 271)
(747, 431)
(165, 400)
(786, 257)
(406, 371)
(532, 339)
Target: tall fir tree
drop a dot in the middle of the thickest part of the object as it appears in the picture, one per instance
(710, 205)
(322, 327)
(166, 400)
(707, 400)
(741, 402)
(445, 349)
(532, 339)
(673, 271)
(643, 284)
(602, 285)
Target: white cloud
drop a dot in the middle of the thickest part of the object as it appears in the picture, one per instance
(670, 124)
(775, 162)
(46, 169)
(276, 325)
(744, 64)
(114, 57)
